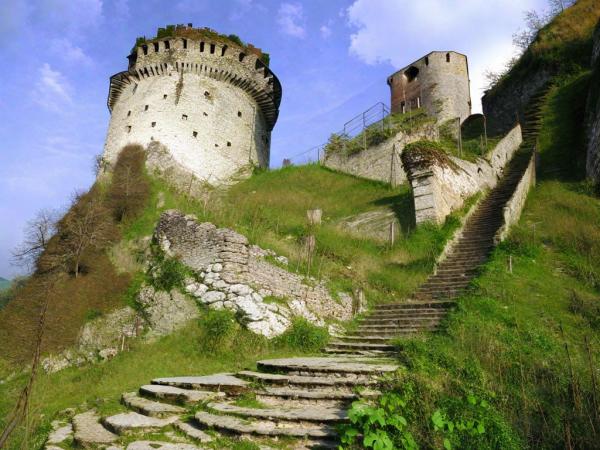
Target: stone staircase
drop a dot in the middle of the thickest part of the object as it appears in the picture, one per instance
(298, 403)
(291, 403)
(432, 300)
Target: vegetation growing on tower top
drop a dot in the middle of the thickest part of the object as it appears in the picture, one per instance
(189, 32)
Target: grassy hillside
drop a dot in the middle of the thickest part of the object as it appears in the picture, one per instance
(528, 342)
(563, 46)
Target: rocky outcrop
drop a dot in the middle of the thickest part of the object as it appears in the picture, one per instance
(232, 274)
(593, 114)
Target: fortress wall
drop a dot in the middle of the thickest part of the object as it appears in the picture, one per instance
(438, 191)
(593, 114)
(380, 162)
(224, 140)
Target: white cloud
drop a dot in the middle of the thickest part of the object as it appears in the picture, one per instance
(52, 90)
(400, 31)
(70, 53)
(325, 31)
(291, 19)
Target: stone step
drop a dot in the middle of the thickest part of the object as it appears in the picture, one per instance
(415, 320)
(312, 414)
(335, 366)
(304, 381)
(176, 394)
(290, 393)
(361, 346)
(412, 305)
(89, 432)
(193, 432)
(237, 425)
(158, 445)
(220, 382)
(148, 407)
(132, 421)
(399, 318)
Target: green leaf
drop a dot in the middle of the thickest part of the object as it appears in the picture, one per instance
(480, 428)
(472, 399)
(447, 444)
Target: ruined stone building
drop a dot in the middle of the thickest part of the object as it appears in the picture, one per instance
(438, 82)
(210, 101)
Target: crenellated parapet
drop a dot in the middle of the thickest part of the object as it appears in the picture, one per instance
(216, 59)
(208, 101)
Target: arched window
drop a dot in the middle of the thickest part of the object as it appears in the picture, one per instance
(223, 50)
(241, 56)
(201, 46)
(411, 73)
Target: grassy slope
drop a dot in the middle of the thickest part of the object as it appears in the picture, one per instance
(508, 340)
(563, 46)
(270, 208)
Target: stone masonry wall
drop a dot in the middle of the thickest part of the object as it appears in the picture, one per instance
(593, 114)
(516, 203)
(380, 162)
(235, 275)
(210, 104)
(437, 191)
(502, 105)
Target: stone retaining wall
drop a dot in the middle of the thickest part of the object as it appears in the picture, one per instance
(437, 190)
(514, 206)
(593, 114)
(380, 162)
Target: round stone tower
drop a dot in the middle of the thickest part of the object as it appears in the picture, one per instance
(437, 82)
(210, 101)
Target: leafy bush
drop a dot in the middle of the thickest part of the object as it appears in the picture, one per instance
(303, 336)
(380, 426)
(218, 327)
(166, 274)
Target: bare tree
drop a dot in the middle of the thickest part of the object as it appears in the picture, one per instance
(38, 232)
(87, 225)
(534, 22)
(100, 165)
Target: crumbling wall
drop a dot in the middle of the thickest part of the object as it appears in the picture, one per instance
(380, 162)
(235, 275)
(441, 185)
(593, 114)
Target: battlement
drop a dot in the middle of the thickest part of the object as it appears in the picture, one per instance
(217, 58)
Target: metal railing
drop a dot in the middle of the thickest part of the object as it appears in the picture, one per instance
(374, 117)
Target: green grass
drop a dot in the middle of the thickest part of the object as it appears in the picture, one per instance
(4, 284)
(528, 341)
(270, 209)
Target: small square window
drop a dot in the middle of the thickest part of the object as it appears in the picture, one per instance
(146, 107)
(228, 144)
(184, 117)
(153, 124)
(239, 114)
(206, 94)
(165, 97)
(195, 134)
(205, 114)
(129, 128)
(216, 145)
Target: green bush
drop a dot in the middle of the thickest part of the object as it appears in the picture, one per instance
(166, 274)
(303, 336)
(218, 328)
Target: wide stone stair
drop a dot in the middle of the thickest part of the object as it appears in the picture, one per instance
(429, 305)
(294, 403)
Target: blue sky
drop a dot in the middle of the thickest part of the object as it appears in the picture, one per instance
(332, 57)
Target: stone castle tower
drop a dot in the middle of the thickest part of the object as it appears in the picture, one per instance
(210, 101)
(438, 82)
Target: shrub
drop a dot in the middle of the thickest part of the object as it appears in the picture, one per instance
(167, 274)
(218, 329)
(304, 336)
